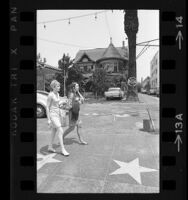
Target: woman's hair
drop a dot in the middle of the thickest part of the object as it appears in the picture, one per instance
(72, 86)
(54, 83)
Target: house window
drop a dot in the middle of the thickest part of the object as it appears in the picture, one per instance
(89, 68)
(107, 67)
(93, 67)
(115, 68)
(85, 68)
(81, 69)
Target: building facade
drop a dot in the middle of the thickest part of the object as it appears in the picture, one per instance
(146, 83)
(154, 72)
(113, 59)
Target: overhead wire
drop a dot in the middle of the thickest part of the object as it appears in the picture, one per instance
(62, 43)
(142, 50)
(80, 46)
(146, 41)
(107, 24)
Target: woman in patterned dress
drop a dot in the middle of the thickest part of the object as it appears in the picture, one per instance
(75, 100)
(54, 115)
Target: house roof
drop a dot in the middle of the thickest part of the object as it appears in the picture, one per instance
(111, 52)
(100, 53)
(39, 64)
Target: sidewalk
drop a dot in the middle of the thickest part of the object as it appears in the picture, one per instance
(120, 157)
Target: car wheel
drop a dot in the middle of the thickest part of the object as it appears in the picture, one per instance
(40, 111)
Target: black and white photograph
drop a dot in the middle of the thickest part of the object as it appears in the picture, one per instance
(98, 101)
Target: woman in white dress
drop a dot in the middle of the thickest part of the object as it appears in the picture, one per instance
(54, 115)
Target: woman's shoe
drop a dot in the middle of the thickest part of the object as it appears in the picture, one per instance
(52, 150)
(83, 142)
(65, 153)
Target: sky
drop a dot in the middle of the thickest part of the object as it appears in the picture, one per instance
(56, 38)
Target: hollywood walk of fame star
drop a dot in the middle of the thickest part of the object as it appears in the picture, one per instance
(46, 159)
(132, 168)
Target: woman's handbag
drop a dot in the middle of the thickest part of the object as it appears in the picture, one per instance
(66, 105)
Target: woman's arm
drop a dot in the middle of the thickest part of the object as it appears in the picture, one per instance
(81, 97)
(49, 100)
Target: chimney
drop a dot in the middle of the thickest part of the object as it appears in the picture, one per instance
(110, 40)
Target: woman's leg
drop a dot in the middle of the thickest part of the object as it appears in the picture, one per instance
(60, 136)
(52, 137)
(78, 128)
(68, 130)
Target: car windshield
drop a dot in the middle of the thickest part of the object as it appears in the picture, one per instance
(113, 89)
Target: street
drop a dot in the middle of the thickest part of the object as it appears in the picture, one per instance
(120, 156)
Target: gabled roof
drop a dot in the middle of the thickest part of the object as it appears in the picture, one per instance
(111, 52)
(96, 54)
(84, 55)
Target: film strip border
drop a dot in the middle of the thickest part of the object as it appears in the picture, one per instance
(23, 97)
(172, 112)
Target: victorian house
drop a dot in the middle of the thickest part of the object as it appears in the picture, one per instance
(113, 59)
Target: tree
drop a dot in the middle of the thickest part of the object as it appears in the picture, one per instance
(64, 64)
(69, 73)
(100, 82)
(75, 75)
(131, 29)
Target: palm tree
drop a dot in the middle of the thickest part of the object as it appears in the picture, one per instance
(131, 29)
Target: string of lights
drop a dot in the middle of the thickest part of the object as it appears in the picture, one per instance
(75, 17)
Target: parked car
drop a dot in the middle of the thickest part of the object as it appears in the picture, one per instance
(114, 92)
(157, 92)
(152, 91)
(144, 91)
(42, 103)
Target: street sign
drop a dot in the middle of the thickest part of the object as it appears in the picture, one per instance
(132, 81)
